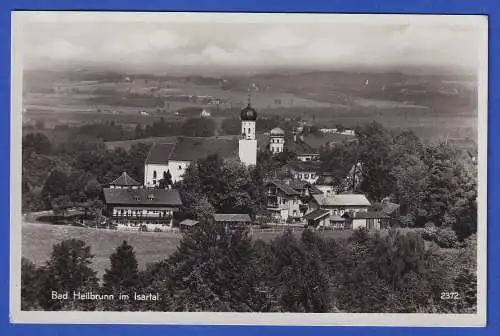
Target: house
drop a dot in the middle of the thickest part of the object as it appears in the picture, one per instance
(306, 171)
(141, 209)
(283, 202)
(288, 200)
(277, 141)
(317, 218)
(233, 221)
(341, 204)
(205, 114)
(370, 220)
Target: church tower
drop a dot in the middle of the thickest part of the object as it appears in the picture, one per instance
(248, 142)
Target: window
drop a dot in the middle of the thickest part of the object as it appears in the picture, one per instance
(306, 176)
(154, 174)
(154, 182)
(249, 131)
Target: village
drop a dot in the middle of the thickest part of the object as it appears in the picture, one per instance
(305, 198)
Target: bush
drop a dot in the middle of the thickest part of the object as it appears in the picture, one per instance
(446, 238)
(430, 232)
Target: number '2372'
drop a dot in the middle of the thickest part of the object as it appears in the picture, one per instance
(449, 296)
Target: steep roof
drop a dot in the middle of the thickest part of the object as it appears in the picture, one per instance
(317, 214)
(192, 149)
(288, 190)
(160, 153)
(143, 197)
(125, 181)
(232, 218)
(342, 200)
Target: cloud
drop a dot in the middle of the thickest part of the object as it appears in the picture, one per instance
(253, 45)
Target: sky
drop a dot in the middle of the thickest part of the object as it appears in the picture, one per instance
(163, 46)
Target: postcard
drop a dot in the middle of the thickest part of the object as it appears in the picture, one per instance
(250, 169)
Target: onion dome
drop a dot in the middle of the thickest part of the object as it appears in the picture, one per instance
(248, 114)
(277, 131)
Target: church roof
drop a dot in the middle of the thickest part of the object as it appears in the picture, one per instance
(193, 149)
(144, 197)
(277, 131)
(125, 181)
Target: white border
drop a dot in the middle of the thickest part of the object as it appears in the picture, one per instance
(344, 319)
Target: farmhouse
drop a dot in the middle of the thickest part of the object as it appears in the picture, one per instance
(141, 209)
(341, 204)
(306, 171)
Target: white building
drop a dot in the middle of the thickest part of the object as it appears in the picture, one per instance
(248, 143)
(176, 157)
(205, 114)
(277, 141)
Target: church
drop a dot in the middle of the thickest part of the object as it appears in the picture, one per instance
(174, 158)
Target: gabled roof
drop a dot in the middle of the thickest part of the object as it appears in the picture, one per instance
(370, 215)
(160, 153)
(342, 200)
(317, 214)
(232, 218)
(288, 190)
(125, 181)
(142, 197)
(193, 149)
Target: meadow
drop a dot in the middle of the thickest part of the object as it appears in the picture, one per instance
(38, 239)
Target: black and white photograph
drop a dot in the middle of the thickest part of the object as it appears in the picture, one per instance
(289, 169)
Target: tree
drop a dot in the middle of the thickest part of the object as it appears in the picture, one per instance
(61, 204)
(213, 270)
(67, 270)
(55, 185)
(123, 274)
(29, 285)
(37, 142)
(166, 181)
(93, 189)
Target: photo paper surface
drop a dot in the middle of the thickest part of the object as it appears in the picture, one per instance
(223, 168)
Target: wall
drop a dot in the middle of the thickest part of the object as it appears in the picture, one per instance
(148, 173)
(248, 151)
(177, 169)
(276, 144)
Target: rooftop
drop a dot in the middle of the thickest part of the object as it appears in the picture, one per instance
(193, 149)
(125, 181)
(342, 200)
(317, 214)
(305, 166)
(232, 218)
(189, 222)
(283, 186)
(143, 197)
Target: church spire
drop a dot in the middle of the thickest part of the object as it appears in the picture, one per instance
(250, 95)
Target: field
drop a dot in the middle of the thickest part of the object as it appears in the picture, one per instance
(38, 239)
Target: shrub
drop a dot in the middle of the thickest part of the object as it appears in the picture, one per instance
(430, 232)
(446, 238)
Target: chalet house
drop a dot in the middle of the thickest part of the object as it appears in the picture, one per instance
(287, 200)
(141, 209)
(317, 218)
(370, 220)
(344, 206)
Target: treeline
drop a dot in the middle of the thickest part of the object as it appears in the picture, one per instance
(434, 183)
(55, 177)
(215, 269)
